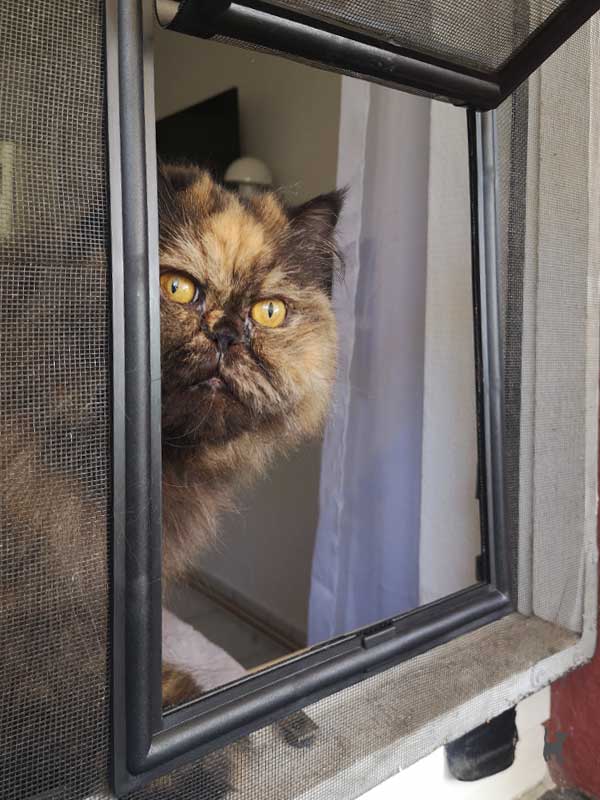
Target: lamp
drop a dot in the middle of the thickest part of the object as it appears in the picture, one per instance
(248, 175)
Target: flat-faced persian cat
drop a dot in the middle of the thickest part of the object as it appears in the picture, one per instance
(248, 349)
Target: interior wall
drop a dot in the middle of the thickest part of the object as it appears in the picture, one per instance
(266, 549)
(289, 118)
(288, 112)
(450, 527)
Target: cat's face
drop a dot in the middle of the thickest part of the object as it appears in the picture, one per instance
(247, 331)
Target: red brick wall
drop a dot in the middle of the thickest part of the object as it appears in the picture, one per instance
(575, 713)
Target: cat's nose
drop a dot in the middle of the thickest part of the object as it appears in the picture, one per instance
(224, 339)
(223, 335)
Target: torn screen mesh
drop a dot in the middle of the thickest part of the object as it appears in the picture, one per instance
(54, 395)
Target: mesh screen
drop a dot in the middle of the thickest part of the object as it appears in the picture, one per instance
(512, 130)
(548, 241)
(368, 731)
(54, 395)
(476, 34)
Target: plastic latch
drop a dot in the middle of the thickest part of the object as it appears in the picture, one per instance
(373, 639)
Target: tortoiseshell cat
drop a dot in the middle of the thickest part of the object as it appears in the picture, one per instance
(248, 349)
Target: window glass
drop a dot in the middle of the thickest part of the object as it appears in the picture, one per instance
(319, 405)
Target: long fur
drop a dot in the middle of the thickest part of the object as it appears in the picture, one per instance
(278, 381)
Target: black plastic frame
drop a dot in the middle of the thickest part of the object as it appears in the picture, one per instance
(345, 49)
(146, 742)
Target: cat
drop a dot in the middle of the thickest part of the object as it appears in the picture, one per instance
(248, 347)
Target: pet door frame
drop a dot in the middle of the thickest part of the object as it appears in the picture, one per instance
(145, 741)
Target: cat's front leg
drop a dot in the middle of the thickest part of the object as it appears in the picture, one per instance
(178, 687)
(210, 775)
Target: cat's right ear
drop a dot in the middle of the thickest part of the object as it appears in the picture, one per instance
(317, 218)
(173, 178)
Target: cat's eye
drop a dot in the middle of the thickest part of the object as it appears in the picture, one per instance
(269, 313)
(179, 287)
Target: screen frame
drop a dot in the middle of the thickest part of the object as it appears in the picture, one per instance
(145, 741)
(347, 48)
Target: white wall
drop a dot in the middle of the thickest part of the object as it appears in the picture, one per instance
(288, 112)
(450, 529)
(266, 549)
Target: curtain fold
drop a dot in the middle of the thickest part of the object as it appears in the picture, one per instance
(366, 560)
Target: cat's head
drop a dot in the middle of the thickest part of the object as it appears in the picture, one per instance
(247, 330)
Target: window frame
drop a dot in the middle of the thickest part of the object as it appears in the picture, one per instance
(145, 741)
(345, 48)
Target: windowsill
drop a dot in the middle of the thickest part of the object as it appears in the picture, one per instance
(390, 721)
(430, 777)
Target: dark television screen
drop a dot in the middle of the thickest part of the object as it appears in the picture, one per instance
(207, 133)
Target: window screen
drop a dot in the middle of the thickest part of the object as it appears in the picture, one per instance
(54, 407)
(471, 34)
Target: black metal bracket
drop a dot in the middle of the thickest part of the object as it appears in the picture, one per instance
(486, 750)
(199, 19)
(343, 48)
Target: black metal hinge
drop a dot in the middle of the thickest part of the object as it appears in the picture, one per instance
(486, 750)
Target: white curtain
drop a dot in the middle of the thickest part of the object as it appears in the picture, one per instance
(366, 560)
(399, 519)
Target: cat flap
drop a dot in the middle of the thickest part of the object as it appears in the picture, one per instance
(467, 657)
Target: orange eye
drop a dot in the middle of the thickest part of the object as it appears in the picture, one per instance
(269, 313)
(178, 287)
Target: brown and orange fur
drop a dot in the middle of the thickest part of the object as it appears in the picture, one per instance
(274, 385)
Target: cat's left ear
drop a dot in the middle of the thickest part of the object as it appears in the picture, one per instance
(313, 224)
